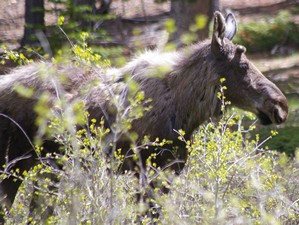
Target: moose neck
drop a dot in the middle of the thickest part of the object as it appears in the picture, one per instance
(194, 83)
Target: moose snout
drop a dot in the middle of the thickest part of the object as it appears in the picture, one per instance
(274, 110)
(273, 106)
(277, 109)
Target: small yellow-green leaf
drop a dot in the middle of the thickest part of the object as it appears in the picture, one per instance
(170, 26)
(201, 21)
(60, 20)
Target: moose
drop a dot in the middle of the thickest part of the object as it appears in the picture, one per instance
(182, 96)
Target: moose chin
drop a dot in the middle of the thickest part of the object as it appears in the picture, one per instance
(183, 96)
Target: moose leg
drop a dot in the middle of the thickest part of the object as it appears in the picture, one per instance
(147, 197)
(9, 188)
(10, 185)
(170, 161)
(16, 156)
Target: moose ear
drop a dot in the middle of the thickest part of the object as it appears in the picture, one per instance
(231, 26)
(223, 28)
(219, 30)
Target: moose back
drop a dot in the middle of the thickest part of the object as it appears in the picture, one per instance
(181, 85)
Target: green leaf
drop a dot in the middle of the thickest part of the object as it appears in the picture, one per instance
(201, 21)
(60, 20)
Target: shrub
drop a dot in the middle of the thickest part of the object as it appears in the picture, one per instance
(232, 180)
(264, 34)
(228, 179)
(286, 141)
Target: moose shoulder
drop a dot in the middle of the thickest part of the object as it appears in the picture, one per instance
(183, 95)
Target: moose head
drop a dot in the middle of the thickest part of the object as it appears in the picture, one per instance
(247, 87)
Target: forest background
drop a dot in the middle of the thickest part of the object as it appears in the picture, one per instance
(116, 30)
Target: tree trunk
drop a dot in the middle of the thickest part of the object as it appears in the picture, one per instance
(34, 21)
(184, 13)
(86, 23)
(89, 8)
(83, 12)
(105, 7)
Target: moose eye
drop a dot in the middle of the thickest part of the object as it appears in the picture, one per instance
(243, 66)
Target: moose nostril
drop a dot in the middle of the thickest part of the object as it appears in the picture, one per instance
(278, 117)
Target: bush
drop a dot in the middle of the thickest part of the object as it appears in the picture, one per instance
(228, 180)
(286, 141)
(264, 34)
(231, 180)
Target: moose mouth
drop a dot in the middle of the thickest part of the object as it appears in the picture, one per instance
(267, 120)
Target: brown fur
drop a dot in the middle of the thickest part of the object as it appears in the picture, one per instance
(183, 86)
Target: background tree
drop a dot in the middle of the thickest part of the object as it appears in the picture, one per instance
(105, 7)
(34, 21)
(198, 12)
(81, 16)
(84, 12)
